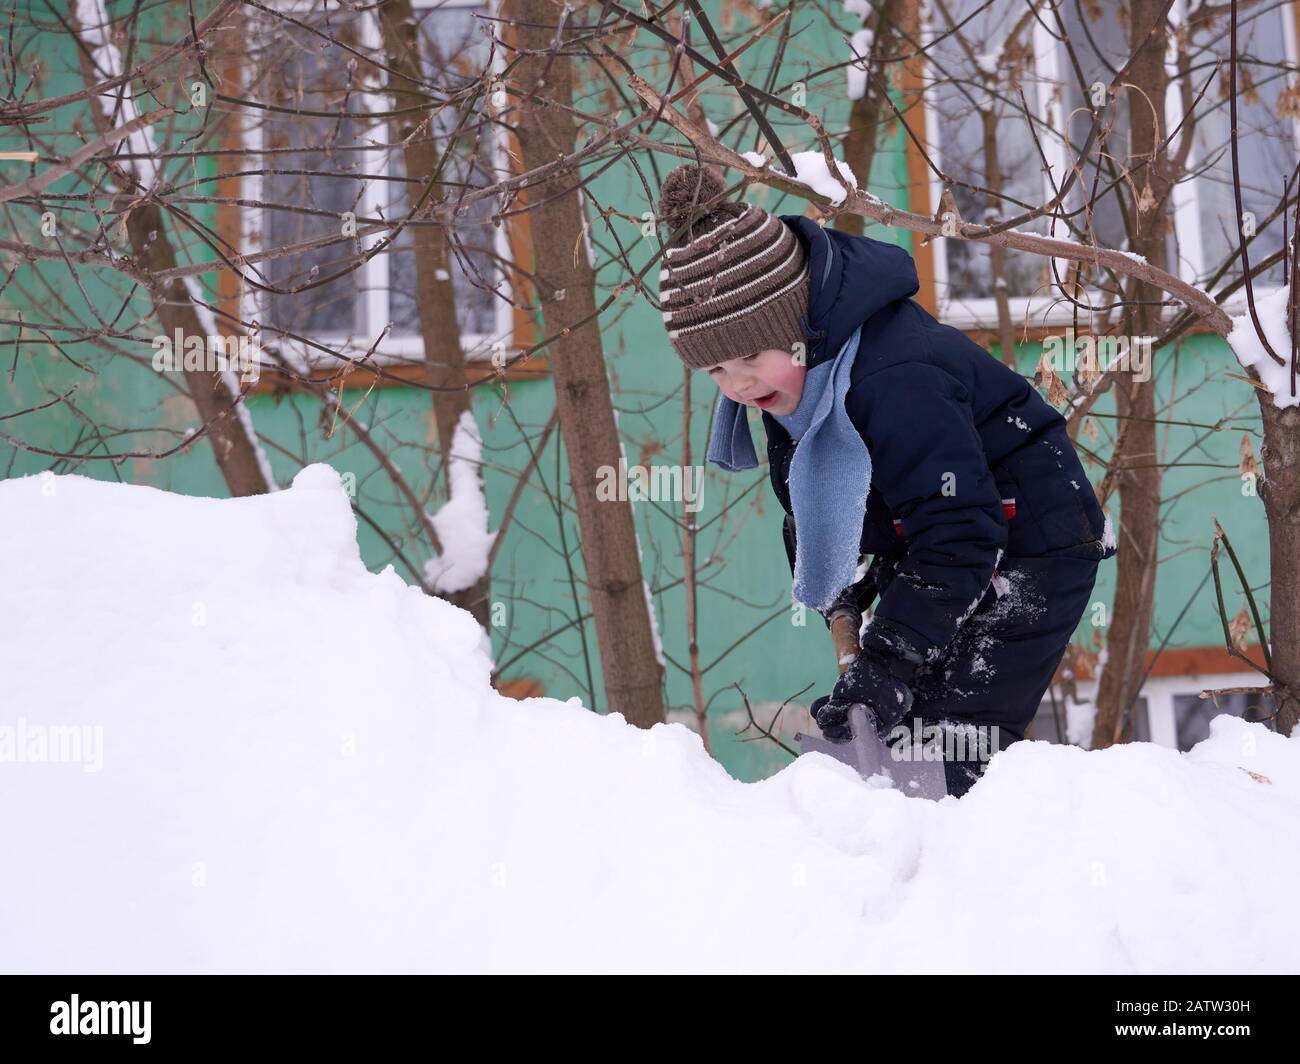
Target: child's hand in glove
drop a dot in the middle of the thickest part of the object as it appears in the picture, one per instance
(878, 678)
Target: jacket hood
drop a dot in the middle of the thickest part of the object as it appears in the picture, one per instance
(851, 278)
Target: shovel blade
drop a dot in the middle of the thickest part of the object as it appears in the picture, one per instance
(868, 754)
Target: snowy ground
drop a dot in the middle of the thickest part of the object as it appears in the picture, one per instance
(303, 768)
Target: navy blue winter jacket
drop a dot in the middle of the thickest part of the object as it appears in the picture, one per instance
(969, 462)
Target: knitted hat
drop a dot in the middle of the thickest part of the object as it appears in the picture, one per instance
(735, 281)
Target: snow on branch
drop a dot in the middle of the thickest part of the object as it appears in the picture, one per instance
(1251, 352)
(462, 522)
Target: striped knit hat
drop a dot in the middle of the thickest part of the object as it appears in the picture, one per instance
(735, 280)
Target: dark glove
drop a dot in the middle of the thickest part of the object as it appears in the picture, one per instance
(832, 717)
(878, 678)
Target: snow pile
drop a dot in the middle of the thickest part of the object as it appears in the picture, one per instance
(1251, 353)
(303, 768)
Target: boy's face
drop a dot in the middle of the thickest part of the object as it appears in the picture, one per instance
(770, 380)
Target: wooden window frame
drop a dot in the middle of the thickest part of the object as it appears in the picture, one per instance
(401, 361)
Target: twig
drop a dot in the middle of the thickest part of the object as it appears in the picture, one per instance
(766, 733)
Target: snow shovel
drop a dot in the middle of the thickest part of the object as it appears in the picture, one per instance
(867, 753)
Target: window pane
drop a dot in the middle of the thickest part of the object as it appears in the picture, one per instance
(964, 108)
(305, 71)
(1265, 132)
(454, 51)
(1100, 42)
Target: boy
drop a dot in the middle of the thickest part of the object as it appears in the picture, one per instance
(892, 435)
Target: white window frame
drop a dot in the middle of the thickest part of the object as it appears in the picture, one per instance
(1160, 691)
(1051, 309)
(395, 350)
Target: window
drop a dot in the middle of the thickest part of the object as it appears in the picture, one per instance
(1169, 711)
(1192, 714)
(1266, 134)
(320, 167)
(983, 133)
(982, 55)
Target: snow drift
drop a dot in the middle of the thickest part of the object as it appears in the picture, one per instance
(303, 768)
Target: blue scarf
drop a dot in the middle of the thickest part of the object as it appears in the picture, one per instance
(830, 475)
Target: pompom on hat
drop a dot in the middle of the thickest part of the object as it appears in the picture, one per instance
(734, 280)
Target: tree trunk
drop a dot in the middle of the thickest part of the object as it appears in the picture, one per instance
(435, 299)
(863, 136)
(690, 533)
(232, 443)
(1135, 577)
(1134, 460)
(632, 674)
(1279, 488)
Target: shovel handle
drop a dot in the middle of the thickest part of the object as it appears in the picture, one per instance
(844, 633)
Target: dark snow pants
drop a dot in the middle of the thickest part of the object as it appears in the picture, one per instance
(994, 672)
